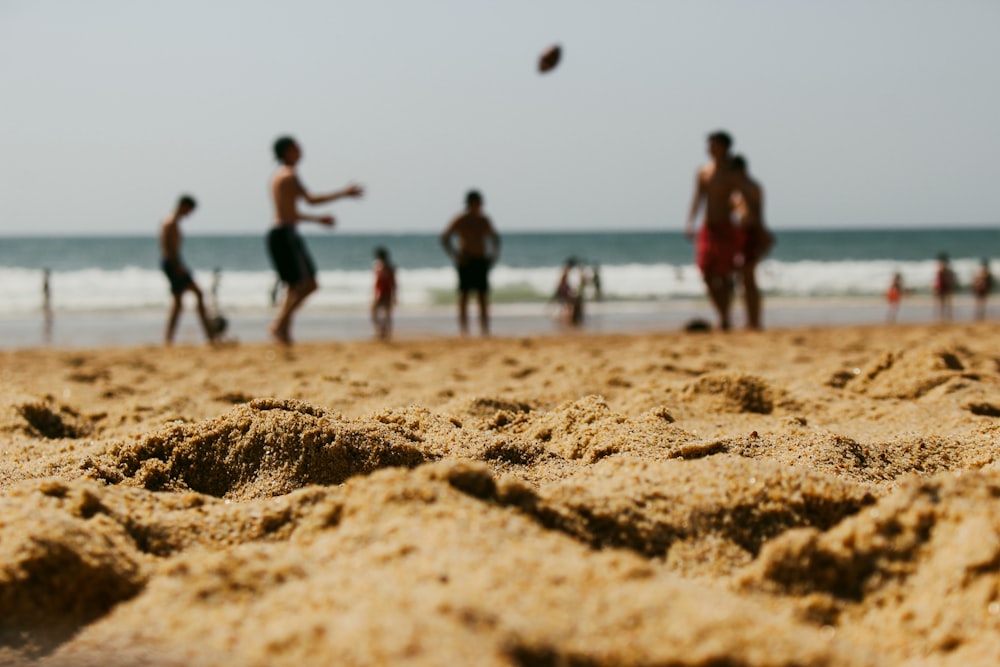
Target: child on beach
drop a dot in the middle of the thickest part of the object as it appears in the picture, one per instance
(477, 252)
(287, 249)
(982, 285)
(944, 286)
(177, 273)
(385, 293)
(894, 295)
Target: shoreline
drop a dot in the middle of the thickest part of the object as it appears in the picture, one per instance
(145, 327)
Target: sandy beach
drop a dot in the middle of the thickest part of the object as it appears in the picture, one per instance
(824, 496)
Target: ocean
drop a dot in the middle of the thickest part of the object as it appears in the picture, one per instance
(116, 279)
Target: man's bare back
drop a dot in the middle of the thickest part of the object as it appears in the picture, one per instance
(472, 229)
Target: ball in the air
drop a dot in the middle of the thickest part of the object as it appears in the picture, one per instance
(549, 58)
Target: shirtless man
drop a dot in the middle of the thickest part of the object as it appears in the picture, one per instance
(715, 242)
(288, 251)
(477, 251)
(178, 274)
(754, 238)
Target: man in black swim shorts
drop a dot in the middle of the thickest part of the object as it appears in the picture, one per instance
(178, 274)
(288, 251)
(477, 251)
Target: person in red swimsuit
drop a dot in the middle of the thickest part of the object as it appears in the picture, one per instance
(894, 295)
(385, 293)
(716, 242)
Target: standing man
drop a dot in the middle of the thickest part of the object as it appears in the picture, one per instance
(288, 251)
(178, 274)
(715, 242)
(755, 240)
(477, 251)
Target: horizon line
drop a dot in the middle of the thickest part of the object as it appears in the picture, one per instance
(964, 226)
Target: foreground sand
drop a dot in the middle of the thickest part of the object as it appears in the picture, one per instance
(816, 497)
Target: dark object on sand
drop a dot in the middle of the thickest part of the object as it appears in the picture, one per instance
(217, 325)
(697, 325)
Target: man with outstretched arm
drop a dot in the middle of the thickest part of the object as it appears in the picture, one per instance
(288, 250)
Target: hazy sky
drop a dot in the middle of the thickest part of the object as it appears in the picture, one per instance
(852, 113)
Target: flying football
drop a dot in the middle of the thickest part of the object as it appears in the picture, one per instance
(549, 58)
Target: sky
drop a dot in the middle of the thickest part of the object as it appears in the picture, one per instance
(852, 114)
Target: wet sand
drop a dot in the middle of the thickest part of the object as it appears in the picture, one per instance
(797, 497)
(131, 328)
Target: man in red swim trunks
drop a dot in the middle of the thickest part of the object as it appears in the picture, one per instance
(716, 243)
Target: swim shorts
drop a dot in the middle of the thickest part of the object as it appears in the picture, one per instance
(178, 281)
(473, 275)
(289, 255)
(715, 248)
(753, 244)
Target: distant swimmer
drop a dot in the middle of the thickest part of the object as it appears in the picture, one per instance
(716, 241)
(569, 292)
(754, 240)
(477, 251)
(982, 285)
(944, 286)
(288, 251)
(47, 305)
(894, 296)
(177, 273)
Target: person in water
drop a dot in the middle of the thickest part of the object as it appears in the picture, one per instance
(982, 285)
(944, 287)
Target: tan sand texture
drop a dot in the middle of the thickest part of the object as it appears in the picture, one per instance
(801, 497)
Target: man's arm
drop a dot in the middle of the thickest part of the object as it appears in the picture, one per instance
(446, 235)
(699, 194)
(352, 190)
(299, 191)
(494, 254)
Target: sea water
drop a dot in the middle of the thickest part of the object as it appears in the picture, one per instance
(110, 276)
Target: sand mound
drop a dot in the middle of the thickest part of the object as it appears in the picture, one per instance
(420, 572)
(63, 563)
(579, 500)
(265, 448)
(648, 506)
(888, 569)
(910, 373)
(734, 392)
(47, 419)
(589, 430)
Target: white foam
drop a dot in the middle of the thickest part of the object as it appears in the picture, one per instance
(133, 288)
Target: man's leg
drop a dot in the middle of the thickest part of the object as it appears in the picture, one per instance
(751, 293)
(294, 297)
(720, 291)
(463, 312)
(173, 317)
(205, 325)
(484, 312)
